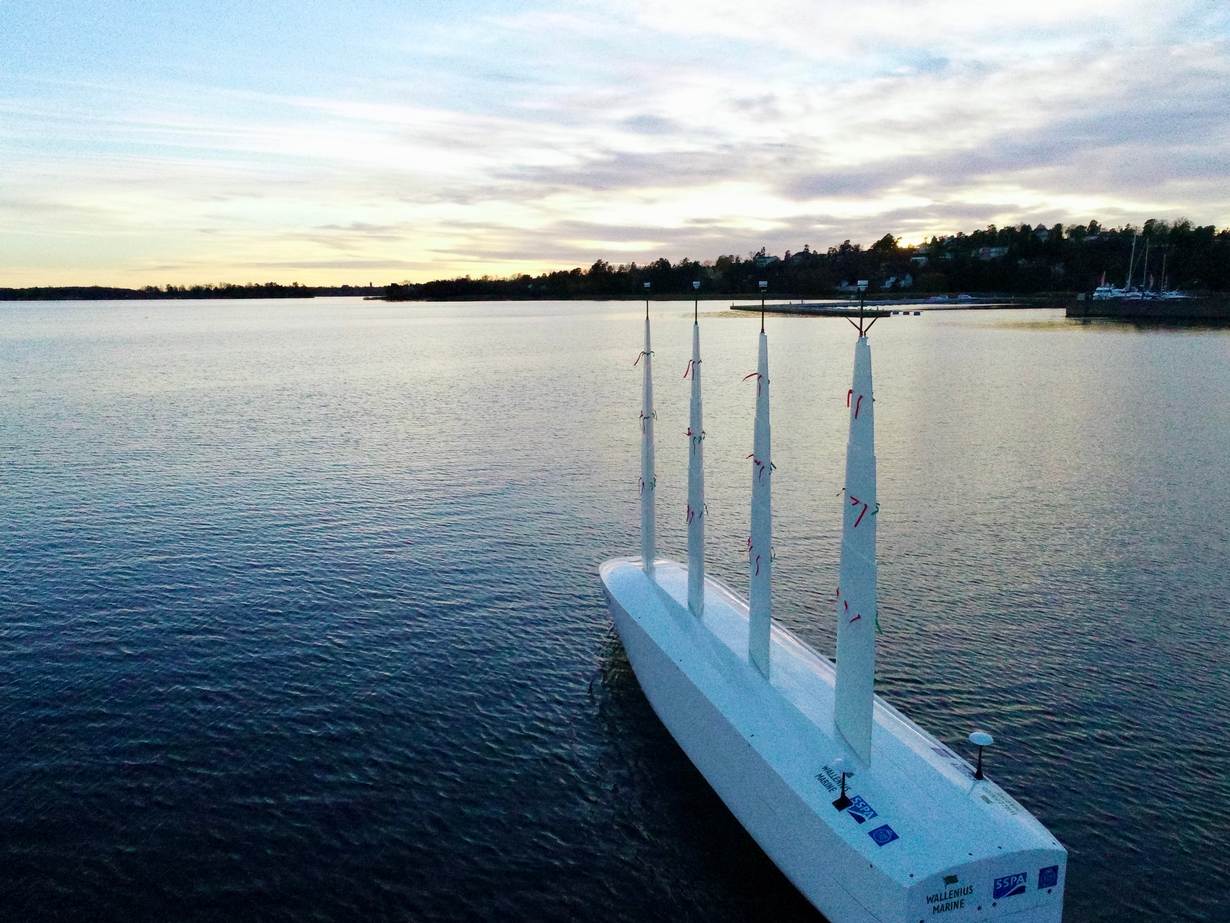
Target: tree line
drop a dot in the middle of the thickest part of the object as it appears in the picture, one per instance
(1024, 260)
(224, 290)
(1012, 260)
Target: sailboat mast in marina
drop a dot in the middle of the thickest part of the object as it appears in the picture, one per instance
(1131, 265)
(868, 815)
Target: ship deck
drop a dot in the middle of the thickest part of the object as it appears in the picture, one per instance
(922, 812)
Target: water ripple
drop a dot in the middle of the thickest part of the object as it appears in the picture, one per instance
(300, 620)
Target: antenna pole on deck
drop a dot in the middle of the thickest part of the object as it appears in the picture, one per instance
(843, 800)
(980, 739)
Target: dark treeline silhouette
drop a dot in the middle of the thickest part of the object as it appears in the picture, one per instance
(1020, 260)
(1013, 260)
(226, 290)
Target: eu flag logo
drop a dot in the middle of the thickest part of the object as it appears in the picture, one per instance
(883, 835)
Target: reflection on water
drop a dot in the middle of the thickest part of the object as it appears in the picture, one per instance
(300, 611)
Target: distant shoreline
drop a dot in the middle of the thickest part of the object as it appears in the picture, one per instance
(998, 264)
(181, 293)
(749, 301)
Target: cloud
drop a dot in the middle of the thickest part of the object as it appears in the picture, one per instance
(383, 264)
(651, 125)
(551, 135)
(608, 171)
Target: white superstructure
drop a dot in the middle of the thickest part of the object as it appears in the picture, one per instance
(915, 836)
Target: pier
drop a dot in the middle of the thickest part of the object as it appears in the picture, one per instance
(1213, 308)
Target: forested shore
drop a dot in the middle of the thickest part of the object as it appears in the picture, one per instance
(226, 290)
(1022, 260)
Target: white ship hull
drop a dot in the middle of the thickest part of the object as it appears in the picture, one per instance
(932, 844)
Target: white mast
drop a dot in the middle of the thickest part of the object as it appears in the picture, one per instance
(648, 479)
(760, 545)
(1131, 264)
(696, 483)
(856, 593)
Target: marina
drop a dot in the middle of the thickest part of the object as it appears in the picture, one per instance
(1213, 309)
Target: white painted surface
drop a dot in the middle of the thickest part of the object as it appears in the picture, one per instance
(649, 481)
(856, 588)
(696, 485)
(764, 745)
(760, 543)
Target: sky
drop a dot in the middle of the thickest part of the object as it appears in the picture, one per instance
(146, 142)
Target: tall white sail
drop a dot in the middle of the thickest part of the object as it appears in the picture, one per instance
(648, 478)
(696, 485)
(856, 592)
(760, 544)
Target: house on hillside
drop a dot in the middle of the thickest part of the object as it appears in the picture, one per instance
(897, 282)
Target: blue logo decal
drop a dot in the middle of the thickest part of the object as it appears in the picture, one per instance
(860, 810)
(1009, 885)
(883, 835)
(1048, 877)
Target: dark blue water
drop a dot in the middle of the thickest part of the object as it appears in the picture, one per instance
(299, 615)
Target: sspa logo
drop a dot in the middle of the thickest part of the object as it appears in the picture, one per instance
(1009, 885)
(860, 810)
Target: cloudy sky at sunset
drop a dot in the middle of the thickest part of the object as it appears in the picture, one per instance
(214, 140)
